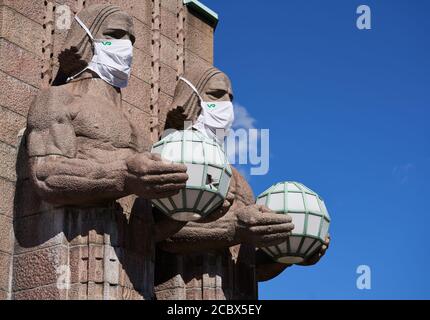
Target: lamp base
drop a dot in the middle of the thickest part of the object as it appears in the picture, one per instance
(186, 216)
(290, 260)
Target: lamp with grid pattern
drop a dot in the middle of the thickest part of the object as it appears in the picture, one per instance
(208, 170)
(310, 218)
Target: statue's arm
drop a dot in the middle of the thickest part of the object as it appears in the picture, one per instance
(243, 222)
(65, 181)
(191, 237)
(58, 175)
(61, 177)
(268, 269)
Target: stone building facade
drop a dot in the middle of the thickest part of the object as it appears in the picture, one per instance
(101, 252)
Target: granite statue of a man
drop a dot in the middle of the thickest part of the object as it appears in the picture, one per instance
(82, 148)
(218, 257)
(83, 153)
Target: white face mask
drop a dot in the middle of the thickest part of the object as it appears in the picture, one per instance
(216, 118)
(111, 60)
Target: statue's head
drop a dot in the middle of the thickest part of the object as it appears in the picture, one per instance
(211, 83)
(104, 22)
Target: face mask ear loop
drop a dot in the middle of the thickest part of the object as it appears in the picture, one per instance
(192, 87)
(92, 40)
(84, 27)
(196, 92)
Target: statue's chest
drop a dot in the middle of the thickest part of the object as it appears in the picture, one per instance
(104, 122)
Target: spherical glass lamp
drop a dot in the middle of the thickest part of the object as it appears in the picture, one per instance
(310, 218)
(208, 170)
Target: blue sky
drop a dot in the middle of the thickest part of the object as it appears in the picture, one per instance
(348, 113)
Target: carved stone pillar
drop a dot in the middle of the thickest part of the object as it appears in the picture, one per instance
(80, 253)
(218, 275)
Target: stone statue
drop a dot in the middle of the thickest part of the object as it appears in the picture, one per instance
(83, 150)
(83, 154)
(225, 243)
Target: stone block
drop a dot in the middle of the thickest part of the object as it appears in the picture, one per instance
(96, 263)
(137, 93)
(51, 292)
(199, 43)
(7, 191)
(172, 294)
(209, 294)
(4, 295)
(10, 124)
(7, 162)
(141, 121)
(34, 10)
(167, 80)
(169, 23)
(194, 61)
(78, 264)
(95, 291)
(78, 291)
(194, 294)
(21, 30)
(5, 264)
(15, 94)
(6, 234)
(141, 67)
(111, 266)
(168, 52)
(143, 36)
(20, 63)
(38, 268)
(96, 236)
(197, 23)
(72, 4)
(170, 5)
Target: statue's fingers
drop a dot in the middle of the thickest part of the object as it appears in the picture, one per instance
(168, 187)
(165, 178)
(323, 249)
(263, 208)
(273, 238)
(272, 229)
(162, 167)
(273, 218)
(230, 197)
(155, 156)
(327, 240)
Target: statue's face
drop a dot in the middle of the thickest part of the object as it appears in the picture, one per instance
(117, 26)
(218, 88)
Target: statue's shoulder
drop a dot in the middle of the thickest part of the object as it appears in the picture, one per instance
(50, 104)
(243, 190)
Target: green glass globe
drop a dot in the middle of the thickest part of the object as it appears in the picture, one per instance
(208, 170)
(310, 218)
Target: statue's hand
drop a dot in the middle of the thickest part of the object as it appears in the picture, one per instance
(261, 227)
(150, 177)
(317, 255)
